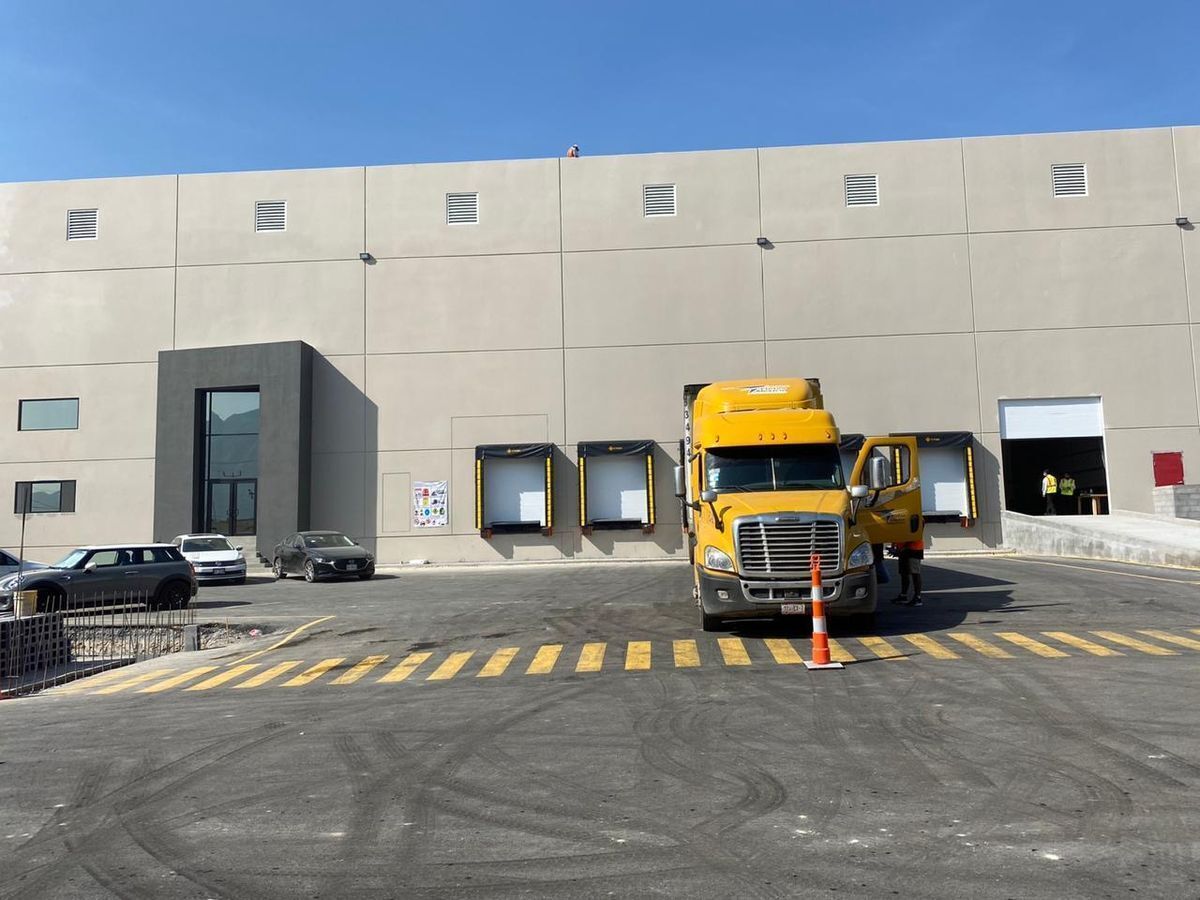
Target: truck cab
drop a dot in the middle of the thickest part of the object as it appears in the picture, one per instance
(763, 489)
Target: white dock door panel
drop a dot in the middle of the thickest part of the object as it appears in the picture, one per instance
(514, 490)
(616, 488)
(1053, 417)
(944, 480)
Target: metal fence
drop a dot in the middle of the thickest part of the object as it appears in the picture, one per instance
(72, 636)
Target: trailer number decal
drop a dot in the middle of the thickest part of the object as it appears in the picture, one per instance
(767, 389)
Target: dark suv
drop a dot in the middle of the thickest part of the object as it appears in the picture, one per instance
(154, 573)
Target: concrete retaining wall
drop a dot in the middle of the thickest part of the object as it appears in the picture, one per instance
(1181, 501)
(1121, 537)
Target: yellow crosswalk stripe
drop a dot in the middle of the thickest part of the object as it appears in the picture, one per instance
(359, 670)
(495, 666)
(1082, 644)
(93, 681)
(450, 666)
(405, 668)
(544, 659)
(269, 675)
(838, 653)
(926, 644)
(733, 651)
(1196, 630)
(1172, 638)
(783, 651)
(134, 681)
(222, 677)
(880, 647)
(687, 655)
(1135, 644)
(177, 680)
(591, 657)
(979, 645)
(637, 656)
(1033, 646)
(314, 672)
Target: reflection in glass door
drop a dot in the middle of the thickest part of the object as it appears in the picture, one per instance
(232, 506)
(230, 461)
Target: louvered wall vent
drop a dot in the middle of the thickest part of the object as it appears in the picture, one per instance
(270, 215)
(462, 209)
(83, 224)
(862, 190)
(658, 199)
(1069, 179)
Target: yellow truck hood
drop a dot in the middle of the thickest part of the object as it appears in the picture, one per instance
(735, 505)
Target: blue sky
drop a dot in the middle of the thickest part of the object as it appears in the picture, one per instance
(127, 87)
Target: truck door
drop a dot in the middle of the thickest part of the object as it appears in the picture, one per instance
(893, 514)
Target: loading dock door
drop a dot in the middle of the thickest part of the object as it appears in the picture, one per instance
(616, 484)
(1062, 434)
(513, 488)
(1053, 417)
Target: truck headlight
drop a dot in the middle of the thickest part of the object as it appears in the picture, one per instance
(717, 559)
(863, 555)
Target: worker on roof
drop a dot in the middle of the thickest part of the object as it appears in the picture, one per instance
(573, 151)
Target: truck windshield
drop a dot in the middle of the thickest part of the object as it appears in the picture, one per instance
(798, 467)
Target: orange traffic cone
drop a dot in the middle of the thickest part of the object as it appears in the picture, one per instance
(820, 636)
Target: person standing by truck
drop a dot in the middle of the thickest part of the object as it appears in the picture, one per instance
(910, 554)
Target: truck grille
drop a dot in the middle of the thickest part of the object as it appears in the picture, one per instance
(784, 548)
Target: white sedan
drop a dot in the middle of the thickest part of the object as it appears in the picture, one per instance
(212, 557)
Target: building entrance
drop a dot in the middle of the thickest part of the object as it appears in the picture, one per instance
(1064, 435)
(232, 506)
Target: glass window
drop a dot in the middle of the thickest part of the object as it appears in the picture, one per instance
(160, 554)
(44, 497)
(71, 560)
(48, 415)
(105, 558)
(327, 540)
(205, 545)
(787, 467)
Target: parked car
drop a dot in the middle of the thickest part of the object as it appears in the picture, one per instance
(10, 562)
(107, 575)
(212, 557)
(314, 554)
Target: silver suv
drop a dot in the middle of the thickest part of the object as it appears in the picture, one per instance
(113, 574)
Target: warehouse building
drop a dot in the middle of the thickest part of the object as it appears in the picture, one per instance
(427, 357)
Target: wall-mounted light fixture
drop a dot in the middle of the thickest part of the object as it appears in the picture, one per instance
(765, 243)
(1182, 221)
(367, 258)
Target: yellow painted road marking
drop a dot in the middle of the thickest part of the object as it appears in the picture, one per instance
(1083, 644)
(93, 681)
(734, 651)
(315, 672)
(1042, 562)
(1028, 643)
(544, 659)
(591, 657)
(359, 670)
(270, 674)
(880, 647)
(1172, 638)
(132, 682)
(1152, 649)
(405, 668)
(637, 656)
(176, 680)
(979, 645)
(288, 637)
(838, 653)
(218, 680)
(495, 666)
(687, 656)
(450, 666)
(783, 651)
(926, 644)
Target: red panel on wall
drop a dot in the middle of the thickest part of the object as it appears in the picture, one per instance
(1168, 469)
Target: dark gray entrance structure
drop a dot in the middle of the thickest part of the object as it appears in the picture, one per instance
(282, 374)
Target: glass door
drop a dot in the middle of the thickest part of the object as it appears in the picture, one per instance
(232, 506)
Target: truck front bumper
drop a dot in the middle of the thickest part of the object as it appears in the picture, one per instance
(730, 596)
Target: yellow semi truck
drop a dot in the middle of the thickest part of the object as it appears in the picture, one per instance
(762, 487)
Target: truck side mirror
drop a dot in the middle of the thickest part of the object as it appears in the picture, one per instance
(877, 473)
(859, 492)
(709, 496)
(680, 482)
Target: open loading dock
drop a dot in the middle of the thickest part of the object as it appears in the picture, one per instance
(616, 485)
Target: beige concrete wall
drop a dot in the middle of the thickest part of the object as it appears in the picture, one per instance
(135, 224)
(566, 315)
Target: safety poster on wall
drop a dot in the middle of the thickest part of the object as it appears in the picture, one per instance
(430, 509)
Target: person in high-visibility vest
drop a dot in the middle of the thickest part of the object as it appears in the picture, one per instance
(1049, 491)
(1066, 490)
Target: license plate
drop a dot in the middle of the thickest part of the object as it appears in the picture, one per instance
(218, 571)
(350, 567)
(793, 609)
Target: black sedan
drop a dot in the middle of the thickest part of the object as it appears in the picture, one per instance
(315, 554)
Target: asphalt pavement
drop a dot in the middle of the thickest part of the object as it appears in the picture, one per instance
(568, 731)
